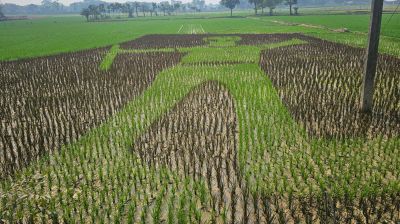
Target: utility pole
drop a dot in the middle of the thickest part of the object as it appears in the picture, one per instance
(371, 57)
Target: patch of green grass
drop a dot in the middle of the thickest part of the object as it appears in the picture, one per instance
(222, 41)
(360, 23)
(109, 58)
(236, 54)
(52, 35)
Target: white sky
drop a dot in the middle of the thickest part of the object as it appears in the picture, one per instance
(67, 2)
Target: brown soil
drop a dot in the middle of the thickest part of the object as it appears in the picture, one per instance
(320, 83)
(50, 101)
(197, 139)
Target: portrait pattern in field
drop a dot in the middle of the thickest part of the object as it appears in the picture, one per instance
(211, 136)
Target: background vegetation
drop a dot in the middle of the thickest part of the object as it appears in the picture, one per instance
(52, 35)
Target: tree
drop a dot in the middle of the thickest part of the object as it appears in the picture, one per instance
(94, 11)
(56, 5)
(154, 8)
(2, 16)
(296, 10)
(85, 13)
(118, 8)
(290, 3)
(231, 4)
(271, 4)
(193, 7)
(177, 5)
(102, 9)
(164, 6)
(200, 4)
(144, 8)
(256, 3)
(129, 9)
(137, 5)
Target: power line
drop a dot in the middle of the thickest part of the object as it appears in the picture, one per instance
(391, 16)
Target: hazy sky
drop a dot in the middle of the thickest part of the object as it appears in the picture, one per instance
(67, 2)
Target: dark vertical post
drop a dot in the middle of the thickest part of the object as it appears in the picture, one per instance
(371, 57)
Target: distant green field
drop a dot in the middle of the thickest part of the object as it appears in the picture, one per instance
(390, 24)
(52, 35)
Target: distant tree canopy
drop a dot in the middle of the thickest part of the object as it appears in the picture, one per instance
(106, 11)
(1, 12)
(256, 4)
(134, 8)
(52, 6)
(85, 13)
(290, 3)
(271, 4)
(231, 4)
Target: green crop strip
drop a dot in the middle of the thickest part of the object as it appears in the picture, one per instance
(275, 154)
(109, 58)
(215, 52)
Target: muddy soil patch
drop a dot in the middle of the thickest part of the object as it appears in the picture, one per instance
(197, 139)
(50, 101)
(320, 84)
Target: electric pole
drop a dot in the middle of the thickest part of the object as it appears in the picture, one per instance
(371, 57)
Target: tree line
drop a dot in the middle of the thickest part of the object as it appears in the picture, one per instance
(131, 9)
(262, 4)
(2, 16)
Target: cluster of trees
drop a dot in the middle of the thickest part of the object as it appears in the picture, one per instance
(46, 7)
(131, 9)
(2, 16)
(262, 4)
(56, 7)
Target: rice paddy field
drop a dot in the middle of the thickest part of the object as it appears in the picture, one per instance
(195, 120)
